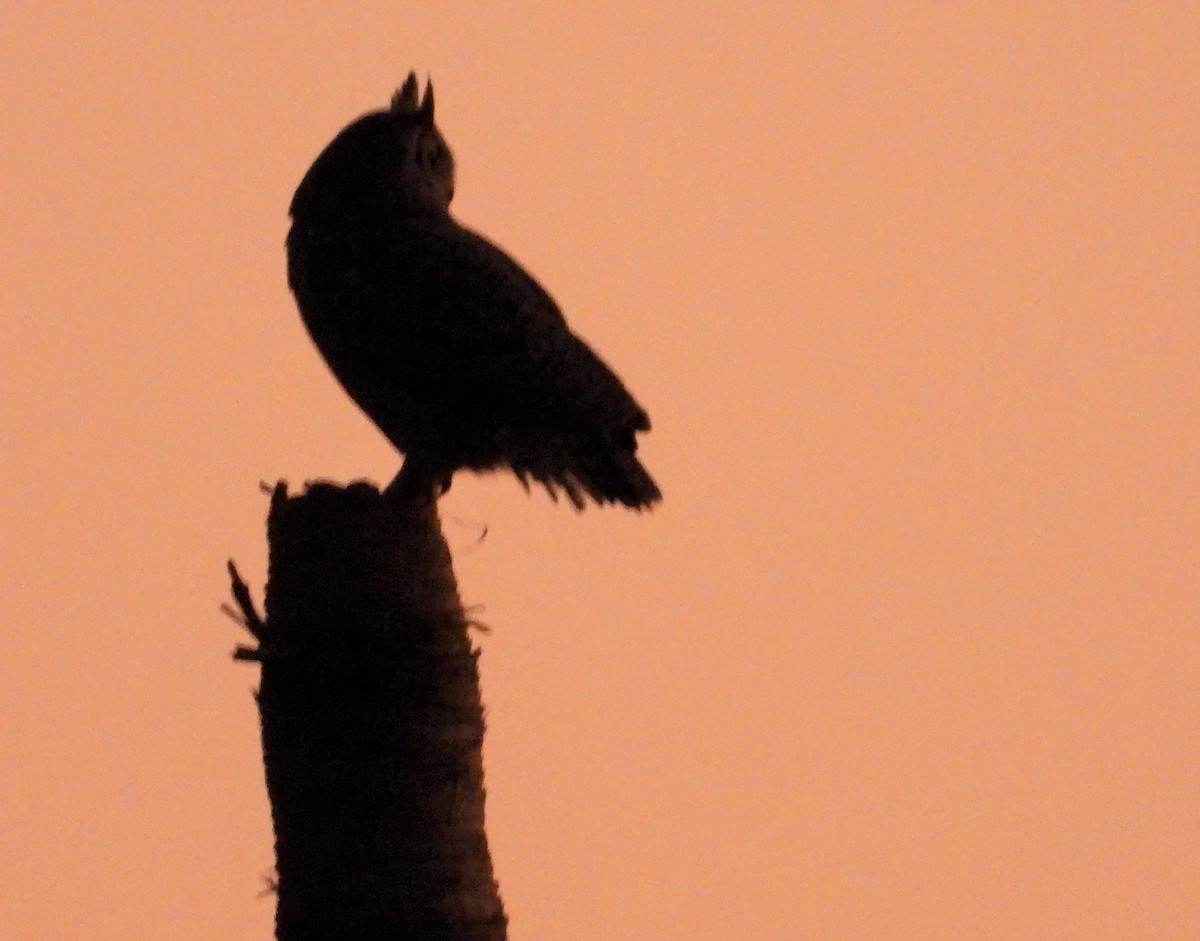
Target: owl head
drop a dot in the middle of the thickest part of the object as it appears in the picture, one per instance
(388, 161)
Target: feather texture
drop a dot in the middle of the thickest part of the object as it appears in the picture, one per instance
(454, 351)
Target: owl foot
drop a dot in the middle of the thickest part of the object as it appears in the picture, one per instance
(416, 481)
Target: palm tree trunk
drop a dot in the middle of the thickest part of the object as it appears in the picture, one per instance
(372, 725)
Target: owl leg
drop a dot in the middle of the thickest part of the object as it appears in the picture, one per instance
(418, 480)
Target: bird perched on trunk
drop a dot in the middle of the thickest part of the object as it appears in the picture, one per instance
(456, 353)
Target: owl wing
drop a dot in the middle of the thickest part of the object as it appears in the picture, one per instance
(489, 328)
(489, 339)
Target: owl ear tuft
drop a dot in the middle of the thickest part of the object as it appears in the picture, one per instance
(427, 102)
(405, 98)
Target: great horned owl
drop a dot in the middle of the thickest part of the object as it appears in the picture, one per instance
(458, 355)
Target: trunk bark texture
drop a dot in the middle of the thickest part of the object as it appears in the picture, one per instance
(372, 725)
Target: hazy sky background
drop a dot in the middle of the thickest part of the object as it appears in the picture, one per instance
(911, 292)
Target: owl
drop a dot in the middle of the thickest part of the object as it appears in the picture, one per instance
(449, 346)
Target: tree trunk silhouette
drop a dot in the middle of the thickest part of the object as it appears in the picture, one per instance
(372, 724)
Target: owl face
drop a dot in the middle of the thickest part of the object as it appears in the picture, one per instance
(428, 163)
(388, 161)
(430, 166)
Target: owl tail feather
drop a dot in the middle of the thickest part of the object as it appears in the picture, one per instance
(617, 477)
(621, 478)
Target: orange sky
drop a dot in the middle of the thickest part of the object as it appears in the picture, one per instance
(909, 652)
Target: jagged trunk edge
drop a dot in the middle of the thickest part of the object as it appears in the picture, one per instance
(372, 726)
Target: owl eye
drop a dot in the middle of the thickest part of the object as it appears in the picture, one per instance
(429, 152)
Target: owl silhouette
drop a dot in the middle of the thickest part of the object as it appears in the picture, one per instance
(449, 346)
